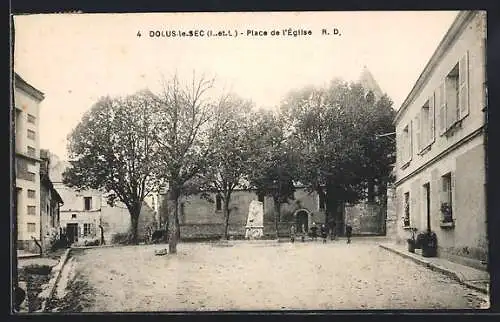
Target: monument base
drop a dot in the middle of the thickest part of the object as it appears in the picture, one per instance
(254, 232)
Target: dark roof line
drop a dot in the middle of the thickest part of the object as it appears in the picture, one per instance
(19, 82)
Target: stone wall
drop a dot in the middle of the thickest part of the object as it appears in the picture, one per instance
(365, 218)
(392, 215)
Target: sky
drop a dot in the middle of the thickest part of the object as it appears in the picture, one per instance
(76, 58)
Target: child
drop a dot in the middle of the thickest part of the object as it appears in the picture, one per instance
(324, 233)
(348, 233)
(292, 233)
(314, 231)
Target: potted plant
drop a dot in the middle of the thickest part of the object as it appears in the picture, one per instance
(412, 241)
(429, 244)
(406, 218)
(446, 212)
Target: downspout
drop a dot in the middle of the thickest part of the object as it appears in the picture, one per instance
(485, 138)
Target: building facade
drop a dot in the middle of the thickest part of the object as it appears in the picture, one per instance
(440, 171)
(27, 101)
(201, 217)
(85, 212)
(50, 203)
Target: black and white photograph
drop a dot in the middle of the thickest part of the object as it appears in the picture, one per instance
(249, 161)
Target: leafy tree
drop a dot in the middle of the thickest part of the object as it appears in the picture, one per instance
(187, 120)
(227, 168)
(112, 150)
(335, 129)
(273, 165)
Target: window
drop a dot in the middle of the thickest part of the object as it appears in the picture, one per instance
(321, 201)
(31, 134)
(446, 199)
(30, 176)
(426, 128)
(31, 194)
(87, 230)
(31, 119)
(406, 217)
(87, 203)
(31, 210)
(31, 227)
(218, 203)
(405, 146)
(453, 95)
(73, 216)
(31, 151)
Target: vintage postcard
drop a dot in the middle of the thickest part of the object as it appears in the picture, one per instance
(251, 161)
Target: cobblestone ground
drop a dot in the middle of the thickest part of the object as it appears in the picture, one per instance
(264, 276)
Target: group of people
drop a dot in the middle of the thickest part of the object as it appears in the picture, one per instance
(324, 231)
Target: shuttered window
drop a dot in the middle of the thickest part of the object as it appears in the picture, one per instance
(432, 119)
(463, 86)
(441, 103)
(418, 133)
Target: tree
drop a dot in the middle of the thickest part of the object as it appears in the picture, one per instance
(272, 167)
(112, 150)
(187, 120)
(335, 129)
(227, 167)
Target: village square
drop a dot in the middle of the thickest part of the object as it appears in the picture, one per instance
(191, 198)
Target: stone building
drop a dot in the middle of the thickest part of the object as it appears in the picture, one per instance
(440, 131)
(27, 101)
(50, 203)
(85, 211)
(202, 218)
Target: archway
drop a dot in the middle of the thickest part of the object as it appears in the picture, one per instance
(302, 219)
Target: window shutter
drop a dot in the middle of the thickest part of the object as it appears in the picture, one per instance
(430, 134)
(451, 101)
(410, 141)
(417, 133)
(442, 108)
(463, 85)
(399, 145)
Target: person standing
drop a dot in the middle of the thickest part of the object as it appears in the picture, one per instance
(292, 233)
(303, 232)
(333, 228)
(348, 232)
(324, 233)
(314, 231)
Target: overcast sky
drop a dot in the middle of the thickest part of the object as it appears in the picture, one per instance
(75, 59)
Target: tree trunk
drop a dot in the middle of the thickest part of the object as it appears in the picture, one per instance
(277, 211)
(226, 217)
(134, 221)
(174, 224)
(332, 214)
(135, 211)
(371, 190)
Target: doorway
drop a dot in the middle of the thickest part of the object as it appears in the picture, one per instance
(72, 232)
(427, 200)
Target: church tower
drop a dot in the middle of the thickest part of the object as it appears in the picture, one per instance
(368, 81)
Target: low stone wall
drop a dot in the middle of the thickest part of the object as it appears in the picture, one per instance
(209, 231)
(29, 246)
